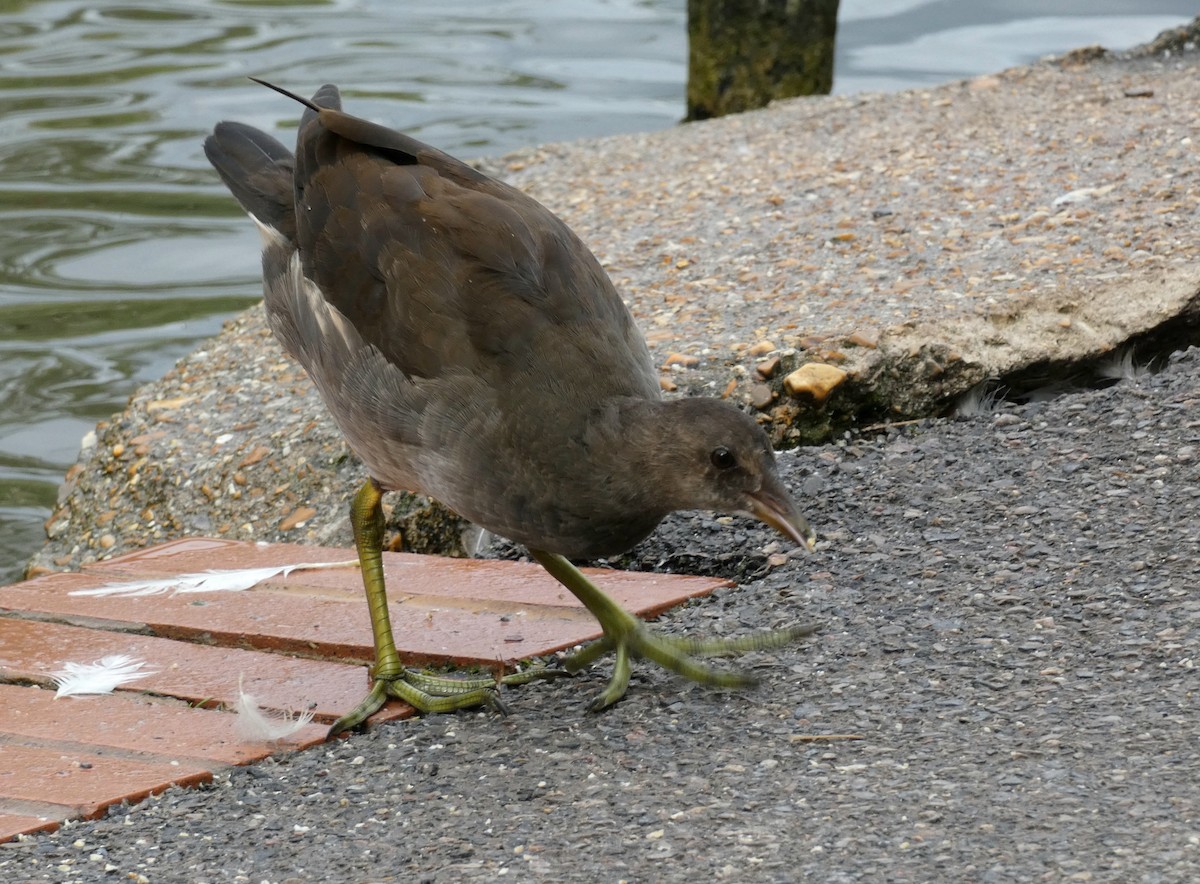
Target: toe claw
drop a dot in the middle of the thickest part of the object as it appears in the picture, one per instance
(369, 705)
(681, 656)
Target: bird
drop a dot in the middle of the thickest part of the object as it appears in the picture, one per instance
(471, 348)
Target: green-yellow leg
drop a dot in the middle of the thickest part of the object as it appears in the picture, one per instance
(632, 639)
(426, 693)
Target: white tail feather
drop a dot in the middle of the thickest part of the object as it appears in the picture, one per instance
(99, 677)
(255, 725)
(208, 581)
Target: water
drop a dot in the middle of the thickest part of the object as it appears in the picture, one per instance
(121, 250)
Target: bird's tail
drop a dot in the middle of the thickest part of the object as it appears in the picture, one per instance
(257, 169)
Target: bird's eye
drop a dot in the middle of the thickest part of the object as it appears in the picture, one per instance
(722, 458)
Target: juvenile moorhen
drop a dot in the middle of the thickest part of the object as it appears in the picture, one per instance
(472, 349)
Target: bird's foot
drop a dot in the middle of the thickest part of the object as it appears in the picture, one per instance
(438, 693)
(632, 639)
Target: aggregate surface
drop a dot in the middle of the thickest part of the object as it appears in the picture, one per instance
(921, 243)
(1009, 621)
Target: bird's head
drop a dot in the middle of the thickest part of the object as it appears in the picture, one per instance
(721, 460)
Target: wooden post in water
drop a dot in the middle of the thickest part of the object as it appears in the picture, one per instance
(744, 53)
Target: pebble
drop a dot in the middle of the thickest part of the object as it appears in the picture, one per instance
(870, 340)
(768, 368)
(681, 359)
(761, 396)
(814, 381)
(297, 518)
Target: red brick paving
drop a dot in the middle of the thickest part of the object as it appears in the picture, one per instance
(83, 783)
(12, 825)
(297, 643)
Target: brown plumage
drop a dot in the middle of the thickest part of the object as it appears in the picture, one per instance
(471, 348)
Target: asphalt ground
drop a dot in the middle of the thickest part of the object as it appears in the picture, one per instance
(1009, 621)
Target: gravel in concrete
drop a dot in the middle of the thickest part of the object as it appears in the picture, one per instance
(922, 242)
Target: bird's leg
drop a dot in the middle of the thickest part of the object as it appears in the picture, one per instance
(633, 639)
(426, 693)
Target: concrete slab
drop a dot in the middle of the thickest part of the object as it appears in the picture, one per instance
(1014, 226)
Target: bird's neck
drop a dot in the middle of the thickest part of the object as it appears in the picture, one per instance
(650, 444)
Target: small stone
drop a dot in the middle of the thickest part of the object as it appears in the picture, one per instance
(814, 381)
(811, 342)
(107, 541)
(168, 404)
(860, 338)
(58, 522)
(297, 518)
(761, 396)
(1082, 195)
(256, 454)
(762, 348)
(118, 450)
(681, 359)
(667, 385)
(768, 368)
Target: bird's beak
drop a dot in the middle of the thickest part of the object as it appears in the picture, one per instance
(773, 505)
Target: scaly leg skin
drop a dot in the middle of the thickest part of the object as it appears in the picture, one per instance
(426, 693)
(633, 639)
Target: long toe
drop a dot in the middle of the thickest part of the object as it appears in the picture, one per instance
(440, 693)
(632, 639)
(679, 654)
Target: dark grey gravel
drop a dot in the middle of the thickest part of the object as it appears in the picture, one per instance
(1011, 621)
